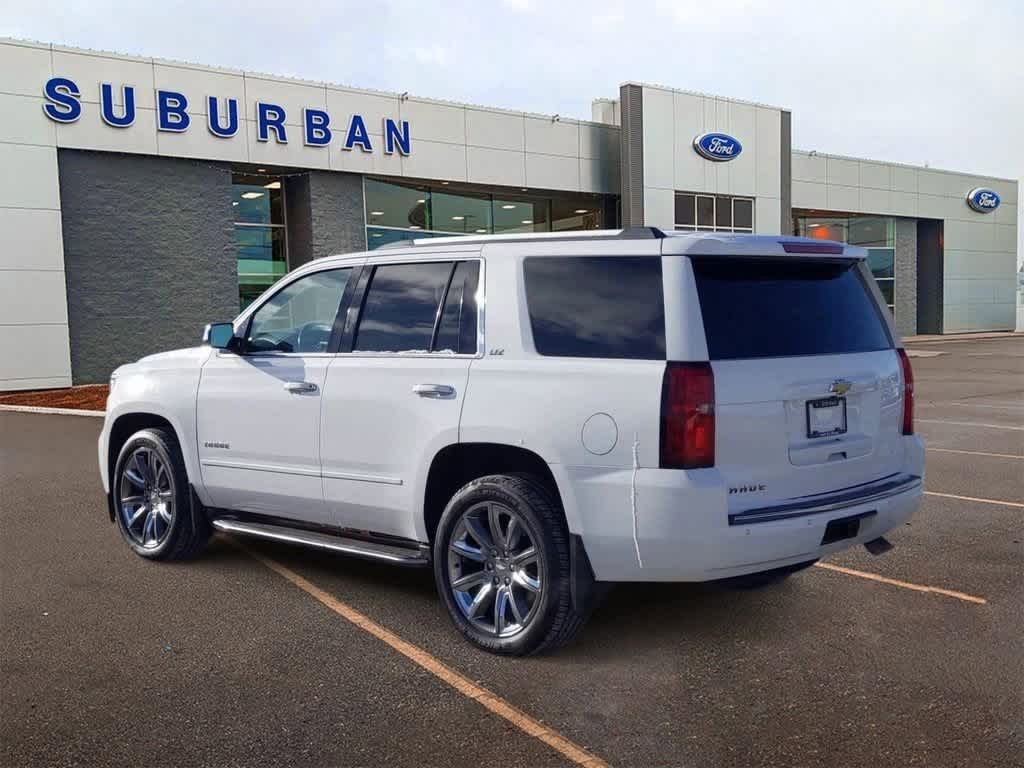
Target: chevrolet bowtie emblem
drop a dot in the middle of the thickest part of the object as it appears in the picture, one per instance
(840, 386)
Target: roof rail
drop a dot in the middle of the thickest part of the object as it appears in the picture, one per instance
(630, 233)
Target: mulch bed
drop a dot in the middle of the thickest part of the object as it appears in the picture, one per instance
(91, 397)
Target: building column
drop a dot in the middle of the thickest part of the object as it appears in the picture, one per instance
(905, 272)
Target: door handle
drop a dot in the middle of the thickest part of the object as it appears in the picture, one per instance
(300, 387)
(435, 391)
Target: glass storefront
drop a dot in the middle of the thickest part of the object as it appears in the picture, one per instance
(877, 234)
(403, 211)
(257, 203)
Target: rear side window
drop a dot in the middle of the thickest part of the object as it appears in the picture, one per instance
(457, 331)
(608, 307)
(785, 308)
(401, 307)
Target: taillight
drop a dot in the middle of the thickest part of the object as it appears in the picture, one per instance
(908, 393)
(687, 416)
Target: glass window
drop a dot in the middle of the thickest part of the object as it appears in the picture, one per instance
(577, 212)
(401, 306)
(457, 331)
(611, 307)
(405, 211)
(520, 214)
(393, 205)
(743, 214)
(784, 308)
(300, 316)
(723, 214)
(260, 243)
(686, 211)
(881, 261)
(705, 212)
(461, 213)
(871, 232)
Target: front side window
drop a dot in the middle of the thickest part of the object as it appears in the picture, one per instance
(401, 306)
(300, 316)
(606, 307)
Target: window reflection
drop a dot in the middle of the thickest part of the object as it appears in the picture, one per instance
(257, 205)
(406, 210)
(609, 307)
(401, 307)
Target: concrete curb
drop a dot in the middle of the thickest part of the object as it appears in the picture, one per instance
(56, 411)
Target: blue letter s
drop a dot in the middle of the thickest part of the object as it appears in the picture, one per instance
(62, 97)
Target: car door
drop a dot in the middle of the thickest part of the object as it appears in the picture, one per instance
(394, 393)
(258, 410)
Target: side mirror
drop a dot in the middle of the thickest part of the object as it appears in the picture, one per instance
(221, 336)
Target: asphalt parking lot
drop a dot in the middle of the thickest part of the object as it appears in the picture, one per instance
(106, 659)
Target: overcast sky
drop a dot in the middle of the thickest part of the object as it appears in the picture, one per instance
(938, 82)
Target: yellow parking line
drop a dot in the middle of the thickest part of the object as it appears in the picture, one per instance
(974, 498)
(903, 584)
(979, 453)
(495, 704)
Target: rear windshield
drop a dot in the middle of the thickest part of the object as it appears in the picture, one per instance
(785, 308)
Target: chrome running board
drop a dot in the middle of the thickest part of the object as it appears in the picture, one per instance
(415, 555)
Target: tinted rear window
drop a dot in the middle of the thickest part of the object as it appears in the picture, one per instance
(785, 308)
(597, 306)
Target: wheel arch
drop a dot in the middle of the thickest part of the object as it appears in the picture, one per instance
(123, 427)
(456, 464)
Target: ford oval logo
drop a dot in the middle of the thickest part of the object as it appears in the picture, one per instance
(983, 200)
(717, 146)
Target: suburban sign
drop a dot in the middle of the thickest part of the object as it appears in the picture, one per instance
(717, 146)
(63, 105)
(983, 200)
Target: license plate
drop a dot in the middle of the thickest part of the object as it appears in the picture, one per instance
(826, 417)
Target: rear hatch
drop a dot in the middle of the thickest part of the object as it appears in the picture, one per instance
(808, 395)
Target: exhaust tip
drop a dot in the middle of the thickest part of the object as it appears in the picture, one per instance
(878, 546)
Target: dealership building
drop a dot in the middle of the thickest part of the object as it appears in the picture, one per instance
(144, 197)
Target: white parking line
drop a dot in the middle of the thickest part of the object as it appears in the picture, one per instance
(904, 584)
(974, 498)
(492, 702)
(971, 424)
(978, 453)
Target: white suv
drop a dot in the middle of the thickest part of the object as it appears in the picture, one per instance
(534, 417)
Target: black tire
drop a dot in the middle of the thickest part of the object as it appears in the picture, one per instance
(186, 534)
(554, 621)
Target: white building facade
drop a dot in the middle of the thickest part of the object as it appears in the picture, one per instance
(145, 198)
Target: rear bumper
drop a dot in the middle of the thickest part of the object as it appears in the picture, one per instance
(665, 525)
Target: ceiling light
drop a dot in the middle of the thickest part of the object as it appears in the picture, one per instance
(581, 210)
(458, 218)
(422, 200)
(413, 226)
(376, 213)
(251, 195)
(272, 185)
(376, 234)
(261, 170)
(234, 202)
(527, 221)
(482, 231)
(508, 206)
(523, 189)
(444, 183)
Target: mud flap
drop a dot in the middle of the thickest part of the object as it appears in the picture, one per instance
(587, 593)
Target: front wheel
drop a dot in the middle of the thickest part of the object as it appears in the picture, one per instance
(502, 567)
(152, 501)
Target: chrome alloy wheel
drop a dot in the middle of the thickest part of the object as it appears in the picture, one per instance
(494, 569)
(146, 498)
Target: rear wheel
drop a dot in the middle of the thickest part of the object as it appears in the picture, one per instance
(501, 563)
(152, 501)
